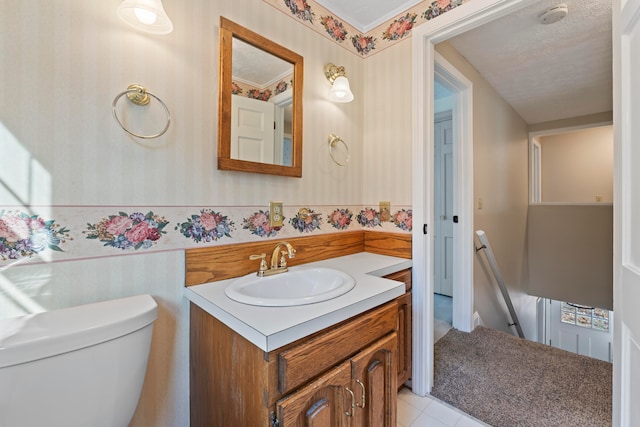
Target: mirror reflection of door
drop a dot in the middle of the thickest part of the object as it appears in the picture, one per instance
(261, 114)
(252, 136)
(283, 105)
(443, 199)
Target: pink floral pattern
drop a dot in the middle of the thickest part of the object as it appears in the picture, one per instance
(124, 231)
(439, 7)
(363, 44)
(306, 223)
(23, 235)
(330, 26)
(258, 224)
(262, 95)
(400, 27)
(369, 218)
(403, 219)
(301, 9)
(209, 226)
(334, 28)
(340, 218)
(235, 89)
(281, 87)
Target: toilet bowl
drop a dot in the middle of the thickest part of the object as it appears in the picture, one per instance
(79, 366)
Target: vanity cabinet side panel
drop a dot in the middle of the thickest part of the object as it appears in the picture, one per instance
(404, 338)
(228, 375)
(404, 326)
(403, 276)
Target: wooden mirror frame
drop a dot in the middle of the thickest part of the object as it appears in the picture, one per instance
(229, 30)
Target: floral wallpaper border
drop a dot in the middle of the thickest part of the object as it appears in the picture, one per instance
(58, 233)
(315, 16)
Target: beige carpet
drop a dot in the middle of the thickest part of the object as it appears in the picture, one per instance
(507, 381)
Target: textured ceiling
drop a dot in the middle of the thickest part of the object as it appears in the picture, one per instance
(256, 67)
(547, 72)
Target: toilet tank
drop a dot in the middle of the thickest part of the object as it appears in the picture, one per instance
(78, 366)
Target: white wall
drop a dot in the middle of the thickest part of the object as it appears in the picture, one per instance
(500, 148)
(578, 166)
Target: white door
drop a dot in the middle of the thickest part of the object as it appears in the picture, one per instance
(581, 330)
(443, 189)
(252, 134)
(626, 104)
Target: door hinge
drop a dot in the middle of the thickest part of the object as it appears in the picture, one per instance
(274, 419)
(425, 228)
(455, 219)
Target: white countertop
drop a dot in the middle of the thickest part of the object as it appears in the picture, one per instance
(272, 327)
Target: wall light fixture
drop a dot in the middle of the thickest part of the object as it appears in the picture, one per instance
(340, 90)
(145, 15)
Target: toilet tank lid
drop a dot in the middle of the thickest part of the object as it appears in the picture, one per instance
(36, 336)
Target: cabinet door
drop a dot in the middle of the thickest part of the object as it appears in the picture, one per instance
(322, 403)
(404, 338)
(374, 381)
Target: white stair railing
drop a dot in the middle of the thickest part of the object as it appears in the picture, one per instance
(498, 275)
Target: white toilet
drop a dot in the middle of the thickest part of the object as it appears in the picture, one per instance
(82, 366)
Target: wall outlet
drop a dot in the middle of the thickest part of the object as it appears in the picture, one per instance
(276, 216)
(385, 211)
(598, 198)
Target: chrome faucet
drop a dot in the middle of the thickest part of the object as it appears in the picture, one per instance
(278, 260)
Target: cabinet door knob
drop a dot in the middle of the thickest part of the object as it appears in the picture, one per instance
(353, 405)
(363, 395)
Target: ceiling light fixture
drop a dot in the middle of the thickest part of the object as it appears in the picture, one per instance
(340, 90)
(553, 14)
(145, 15)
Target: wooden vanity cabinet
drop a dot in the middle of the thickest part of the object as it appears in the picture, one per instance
(345, 375)
(404, 326)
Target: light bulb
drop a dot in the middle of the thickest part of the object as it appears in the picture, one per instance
(340, 91)
(145, 16)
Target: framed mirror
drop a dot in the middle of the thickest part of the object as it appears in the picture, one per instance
(260, 104)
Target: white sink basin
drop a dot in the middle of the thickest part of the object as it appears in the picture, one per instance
(298, 286)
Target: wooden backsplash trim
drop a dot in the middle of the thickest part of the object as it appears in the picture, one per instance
(392, 244)
(215, 263)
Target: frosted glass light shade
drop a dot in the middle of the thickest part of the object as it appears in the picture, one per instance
(146, 15)
(340, 91)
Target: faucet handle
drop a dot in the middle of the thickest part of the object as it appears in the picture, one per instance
(263, 263)
(283, 259)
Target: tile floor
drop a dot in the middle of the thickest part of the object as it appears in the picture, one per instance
(416, 411)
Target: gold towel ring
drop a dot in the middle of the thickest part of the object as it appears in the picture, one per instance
(139, 95)
(333, 141)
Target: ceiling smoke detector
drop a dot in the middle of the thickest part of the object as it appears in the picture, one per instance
(553, 14)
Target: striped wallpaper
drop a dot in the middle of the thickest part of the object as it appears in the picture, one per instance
(67, 166)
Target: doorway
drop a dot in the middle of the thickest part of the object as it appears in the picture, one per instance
(443, 205)
(428, 64)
